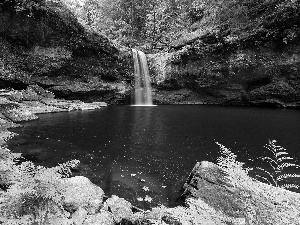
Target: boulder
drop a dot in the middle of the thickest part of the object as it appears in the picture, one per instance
(81, 192)
(119, 207)
(79, 216)
(245, 202)
(101, 218)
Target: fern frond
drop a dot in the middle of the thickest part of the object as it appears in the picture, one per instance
(280, 153)
(238, 175)
(270, 175)
(264, 178)
(271, 146)
(271, 162)
(289, 186)
(287, 165)
(64, 169)
(287, 175)
(269, 158)
(284, 158)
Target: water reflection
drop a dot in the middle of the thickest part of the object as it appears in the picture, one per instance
(140, 169)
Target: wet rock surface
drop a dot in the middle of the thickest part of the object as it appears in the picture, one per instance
(228, 72)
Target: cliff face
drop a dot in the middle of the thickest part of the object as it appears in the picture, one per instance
(258, 76)
(258, 64)
(47, 46)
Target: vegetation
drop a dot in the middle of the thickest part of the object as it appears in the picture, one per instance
(228, 162)
(155, 24)
(279, 162)
(32, 193)
(276, 174)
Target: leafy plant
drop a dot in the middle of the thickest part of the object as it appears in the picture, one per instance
(237, 171)
(24, 6)
(277, 175)
(279, 162)
(34, 191)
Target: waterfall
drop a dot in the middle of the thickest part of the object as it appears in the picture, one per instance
(142, 88)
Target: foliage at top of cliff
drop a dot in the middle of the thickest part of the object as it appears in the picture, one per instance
(48, 23)
(157, 25)
(248, 22)
(163, 25)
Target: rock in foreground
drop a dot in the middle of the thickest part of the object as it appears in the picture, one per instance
(82, 193)
(247, 202)
(210, 199)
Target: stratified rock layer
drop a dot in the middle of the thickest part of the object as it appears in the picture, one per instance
(217, 62)
(256, 76)
(47, 46)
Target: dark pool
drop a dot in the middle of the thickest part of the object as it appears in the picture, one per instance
(144, 154)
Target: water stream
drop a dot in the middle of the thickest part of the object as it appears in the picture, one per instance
(142, 89)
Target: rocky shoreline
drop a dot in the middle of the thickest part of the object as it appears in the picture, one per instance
(23, 105)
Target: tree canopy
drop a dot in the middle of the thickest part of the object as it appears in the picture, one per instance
(156, 24)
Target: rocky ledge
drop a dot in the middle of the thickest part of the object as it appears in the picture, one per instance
(23, 105)
(257, 76)
(216, 62)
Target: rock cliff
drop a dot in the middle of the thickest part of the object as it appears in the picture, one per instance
(46, 45)
(257, 64)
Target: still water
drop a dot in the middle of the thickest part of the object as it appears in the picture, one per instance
(144, 154)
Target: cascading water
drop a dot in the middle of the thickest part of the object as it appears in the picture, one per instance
(142, 89)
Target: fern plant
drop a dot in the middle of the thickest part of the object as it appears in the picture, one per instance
(237, 170)
(279, 161)
(34, 191)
